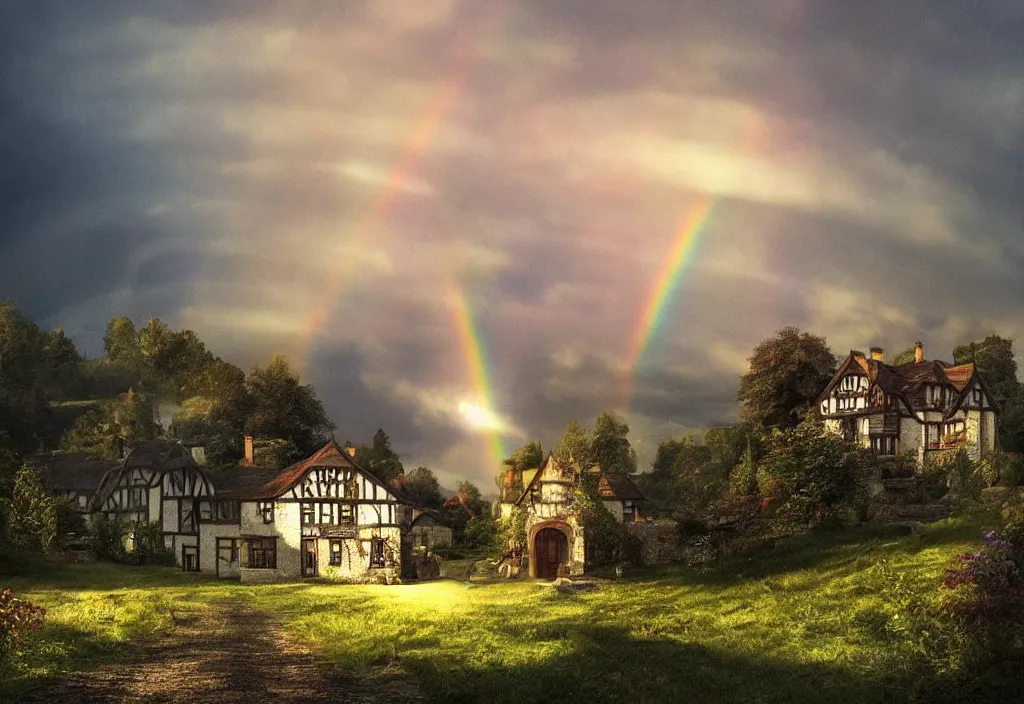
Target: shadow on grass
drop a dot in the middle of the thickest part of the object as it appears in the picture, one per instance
(605, 664)
(52, 653)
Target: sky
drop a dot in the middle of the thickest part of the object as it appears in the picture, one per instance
(471, 221)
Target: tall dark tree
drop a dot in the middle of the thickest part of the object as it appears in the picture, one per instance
(63, 363)
(215, 412)
(609, 445)
(121, 345)
(380, 457)
(112, 426)
(422, 487)
(282, 407)
(24, 378)
(786, 373)
(574, 445)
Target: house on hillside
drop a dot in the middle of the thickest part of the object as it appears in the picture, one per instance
(922, 407)
(555, 541)
(324, 516)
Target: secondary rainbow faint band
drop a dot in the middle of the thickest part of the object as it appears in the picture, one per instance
(416, 143)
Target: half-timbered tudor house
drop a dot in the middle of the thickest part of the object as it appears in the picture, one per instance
(555, 540)
(922, 407)
(325, 516)
(322, 517)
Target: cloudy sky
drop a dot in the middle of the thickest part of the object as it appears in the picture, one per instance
(350, 186)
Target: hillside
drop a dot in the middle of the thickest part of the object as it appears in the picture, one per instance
(805, 621)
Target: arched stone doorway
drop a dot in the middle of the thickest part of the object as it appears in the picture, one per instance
(550, 550)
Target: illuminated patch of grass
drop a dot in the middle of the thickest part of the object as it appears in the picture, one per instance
(783, 625)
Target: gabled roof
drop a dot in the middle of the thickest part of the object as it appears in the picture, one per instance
(277, 482)
(908, 382)
(158, 456)
(618, 487)
(74, 471)
(536, 477)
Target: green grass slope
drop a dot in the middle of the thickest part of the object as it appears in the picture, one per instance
(791, 625)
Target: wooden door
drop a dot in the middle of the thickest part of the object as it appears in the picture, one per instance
(310, 563)
(551, 549)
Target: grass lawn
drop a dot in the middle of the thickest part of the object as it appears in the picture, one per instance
(780, 626)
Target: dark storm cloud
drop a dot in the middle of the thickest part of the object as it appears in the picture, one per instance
(239, 167)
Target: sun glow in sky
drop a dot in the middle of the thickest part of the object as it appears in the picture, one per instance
(482, 205)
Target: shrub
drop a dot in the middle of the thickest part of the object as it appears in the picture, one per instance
(511, 539)
(607, 540)
(17, 619)
(31, 514)
(107, 537)
(480, 532)
(149, 548)
(812, 475)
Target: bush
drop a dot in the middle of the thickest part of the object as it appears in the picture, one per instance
(107, 537)
(480, 532)
(813, 476)
(607, 540)
(17, 619)
(149, 548)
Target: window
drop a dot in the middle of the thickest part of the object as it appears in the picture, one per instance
(327, 514)
(308, 514)
(137, 497)
(262, 553)
(883, 445)
(347, 516)
(954, 434)
(266, 509)
(335, 553)
(186, 517)
(218, 511)
(376, 552)
(628, 512)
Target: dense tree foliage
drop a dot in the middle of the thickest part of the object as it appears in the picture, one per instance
(786, 373)
(422, 487)
(574, 445)
(281, 407)
(529, 456)
(111, 427)
(907, 356)
(380, 457)
(609, 445)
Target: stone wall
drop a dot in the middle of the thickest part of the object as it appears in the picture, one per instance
(659, 542)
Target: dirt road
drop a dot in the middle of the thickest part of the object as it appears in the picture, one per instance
(227, 653)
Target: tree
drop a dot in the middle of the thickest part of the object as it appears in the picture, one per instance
(529, 456)
(813, 475)
(121, 345)
(380, 457)
(464, 505)
(574, 445)
(62, 363)
(422, 487)
(786, 374)
(993, 357)
(24, 376)
(609, 446)
(32, 514)
(215, 413)
(281, 407)
(111, 426)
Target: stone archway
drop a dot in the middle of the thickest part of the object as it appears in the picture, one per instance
(550, 549)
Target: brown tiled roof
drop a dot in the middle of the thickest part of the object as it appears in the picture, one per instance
(70, 471)
(618, 487)
(908, 381)
(279, 481)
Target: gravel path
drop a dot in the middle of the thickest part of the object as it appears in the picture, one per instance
(225, 654)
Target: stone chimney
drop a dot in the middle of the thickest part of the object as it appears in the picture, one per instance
(878, 354)
(350, 449)
(918, 353)
(248, 449)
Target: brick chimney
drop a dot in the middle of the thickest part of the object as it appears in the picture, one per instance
(350, 449)
(248, 449)
(878, 354)
(918, 353)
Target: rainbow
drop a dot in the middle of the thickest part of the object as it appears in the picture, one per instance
(659, 296)
(465, 61)
(472, 347)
